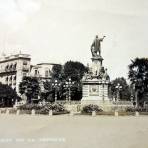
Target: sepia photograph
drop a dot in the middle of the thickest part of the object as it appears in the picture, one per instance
(73, 74)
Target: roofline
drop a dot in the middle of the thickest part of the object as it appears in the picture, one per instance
(48, 64)
(13, 59)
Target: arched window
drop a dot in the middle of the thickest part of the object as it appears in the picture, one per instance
(10, 80)
(14, 66)
(7, 67)
(10, 67)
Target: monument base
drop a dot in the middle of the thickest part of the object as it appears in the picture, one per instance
(95, 90)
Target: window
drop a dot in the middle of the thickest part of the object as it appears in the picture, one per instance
(46, 73)
(7, 68)
(36, 72)
(6, 80)
(14, 66)
(24, 74)
(14, 80)
(10, 80)
(11, 67)
(24, 62)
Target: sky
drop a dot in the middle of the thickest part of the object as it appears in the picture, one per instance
(56, 31)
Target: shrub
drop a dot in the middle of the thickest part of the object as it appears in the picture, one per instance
(90, 108)
(44, 109)
(132, 109)
(58, 107)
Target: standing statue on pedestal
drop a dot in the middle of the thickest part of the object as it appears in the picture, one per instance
(96, 46)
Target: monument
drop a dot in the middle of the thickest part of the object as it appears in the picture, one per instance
(96, 81)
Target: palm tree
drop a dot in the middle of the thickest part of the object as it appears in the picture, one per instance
(138, 75)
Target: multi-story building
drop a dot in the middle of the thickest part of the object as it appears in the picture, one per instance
(13, 68)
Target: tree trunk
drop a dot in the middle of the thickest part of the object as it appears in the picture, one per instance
(136, 98)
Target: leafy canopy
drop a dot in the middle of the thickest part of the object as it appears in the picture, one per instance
(30, 87)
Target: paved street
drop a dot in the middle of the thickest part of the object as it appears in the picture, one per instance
(64, 131)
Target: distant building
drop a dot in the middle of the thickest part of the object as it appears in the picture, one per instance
(13, 68)
(43, 72)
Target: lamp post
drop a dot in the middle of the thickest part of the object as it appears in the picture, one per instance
(103, 83)
(68, 85)
(118, 87)
(56, 86)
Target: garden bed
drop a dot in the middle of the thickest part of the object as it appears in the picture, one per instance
(56, 108)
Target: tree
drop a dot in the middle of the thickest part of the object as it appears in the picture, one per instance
(57, 72)
(125, 90)
(138, 75)
(74, 70)
(30, 87)
(7, 96)
(49, 91)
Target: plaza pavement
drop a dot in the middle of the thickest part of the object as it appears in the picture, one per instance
(64, 131)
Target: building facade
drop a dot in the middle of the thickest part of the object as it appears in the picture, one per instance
(13, 68)
(43, 72)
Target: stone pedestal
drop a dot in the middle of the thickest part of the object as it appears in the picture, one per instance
(96, 65)
(95, 91)
(50, 113)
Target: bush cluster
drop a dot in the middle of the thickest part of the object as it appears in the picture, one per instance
(132, 109)
(90, 108)
(44, 109)
(56, 107)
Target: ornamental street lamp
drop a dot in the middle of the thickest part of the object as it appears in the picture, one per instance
(56, 86)
(118, 87)
(68, 85)
(103, 83)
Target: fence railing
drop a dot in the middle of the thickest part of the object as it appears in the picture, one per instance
(68, 102)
